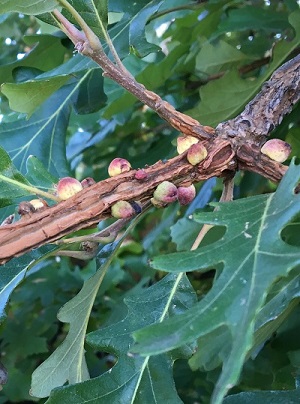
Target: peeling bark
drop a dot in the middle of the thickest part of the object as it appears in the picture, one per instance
(93, 204)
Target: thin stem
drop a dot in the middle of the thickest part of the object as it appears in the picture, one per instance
(88, 237)
(30, 189)
(115, 54)
(227, 195)
(204, 230)
(86, 251)
(92, 38)
(112, 48)
(69, 29)
(91, 47)
(104, 236)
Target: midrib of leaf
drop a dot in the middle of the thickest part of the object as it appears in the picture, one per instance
(162, 317)
(78, 340)
(54, 116)
(99, 19)
(31, 189)
(232, 368)
(13, 280)
(17, 279)
(84, 305)
(90, 298)
(222, 290)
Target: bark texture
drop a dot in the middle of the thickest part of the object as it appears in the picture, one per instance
(234, 144)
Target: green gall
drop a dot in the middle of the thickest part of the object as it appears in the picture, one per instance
(196, 153)
(185, 142)
(157, 203)
(68, 187)
(166, 192)
(122, 210)
(277, 150)
(118, 166)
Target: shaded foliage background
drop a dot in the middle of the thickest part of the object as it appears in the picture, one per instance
(207, 59)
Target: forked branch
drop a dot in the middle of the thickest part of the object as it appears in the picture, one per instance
(234, 145)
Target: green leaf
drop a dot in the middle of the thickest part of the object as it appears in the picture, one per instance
(94, 13)
(265, 397)
(76, 64)
(26, 97)
(38, 175)
(30, 7)
(134, 378)
(91, 96)
(214, 58)
(220, 100)
(10, 190)
(129, 32)
(67, 363)
(13, 272)
(282, 299)
(42, 45)
(254, 18)
(138, 42)
(43, 135)
(252, 255)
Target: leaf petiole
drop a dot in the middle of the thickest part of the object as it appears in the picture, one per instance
(31, 189)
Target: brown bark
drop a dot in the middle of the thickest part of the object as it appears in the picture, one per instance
(93, 204)
(267, 109)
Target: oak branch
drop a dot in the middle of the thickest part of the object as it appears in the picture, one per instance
(233, 145)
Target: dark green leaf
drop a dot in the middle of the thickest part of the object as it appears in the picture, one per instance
(214, 58)
(91, 96)
(14, 272)
(43, 135)
(265, 397)
(38, 175)
(254, 18)
(94, 13)
(30, 7)
(128, 34)
(10, 189)
(41, 45)
(253, 256)
(26, 97)
(220, 100)
(134, 378)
